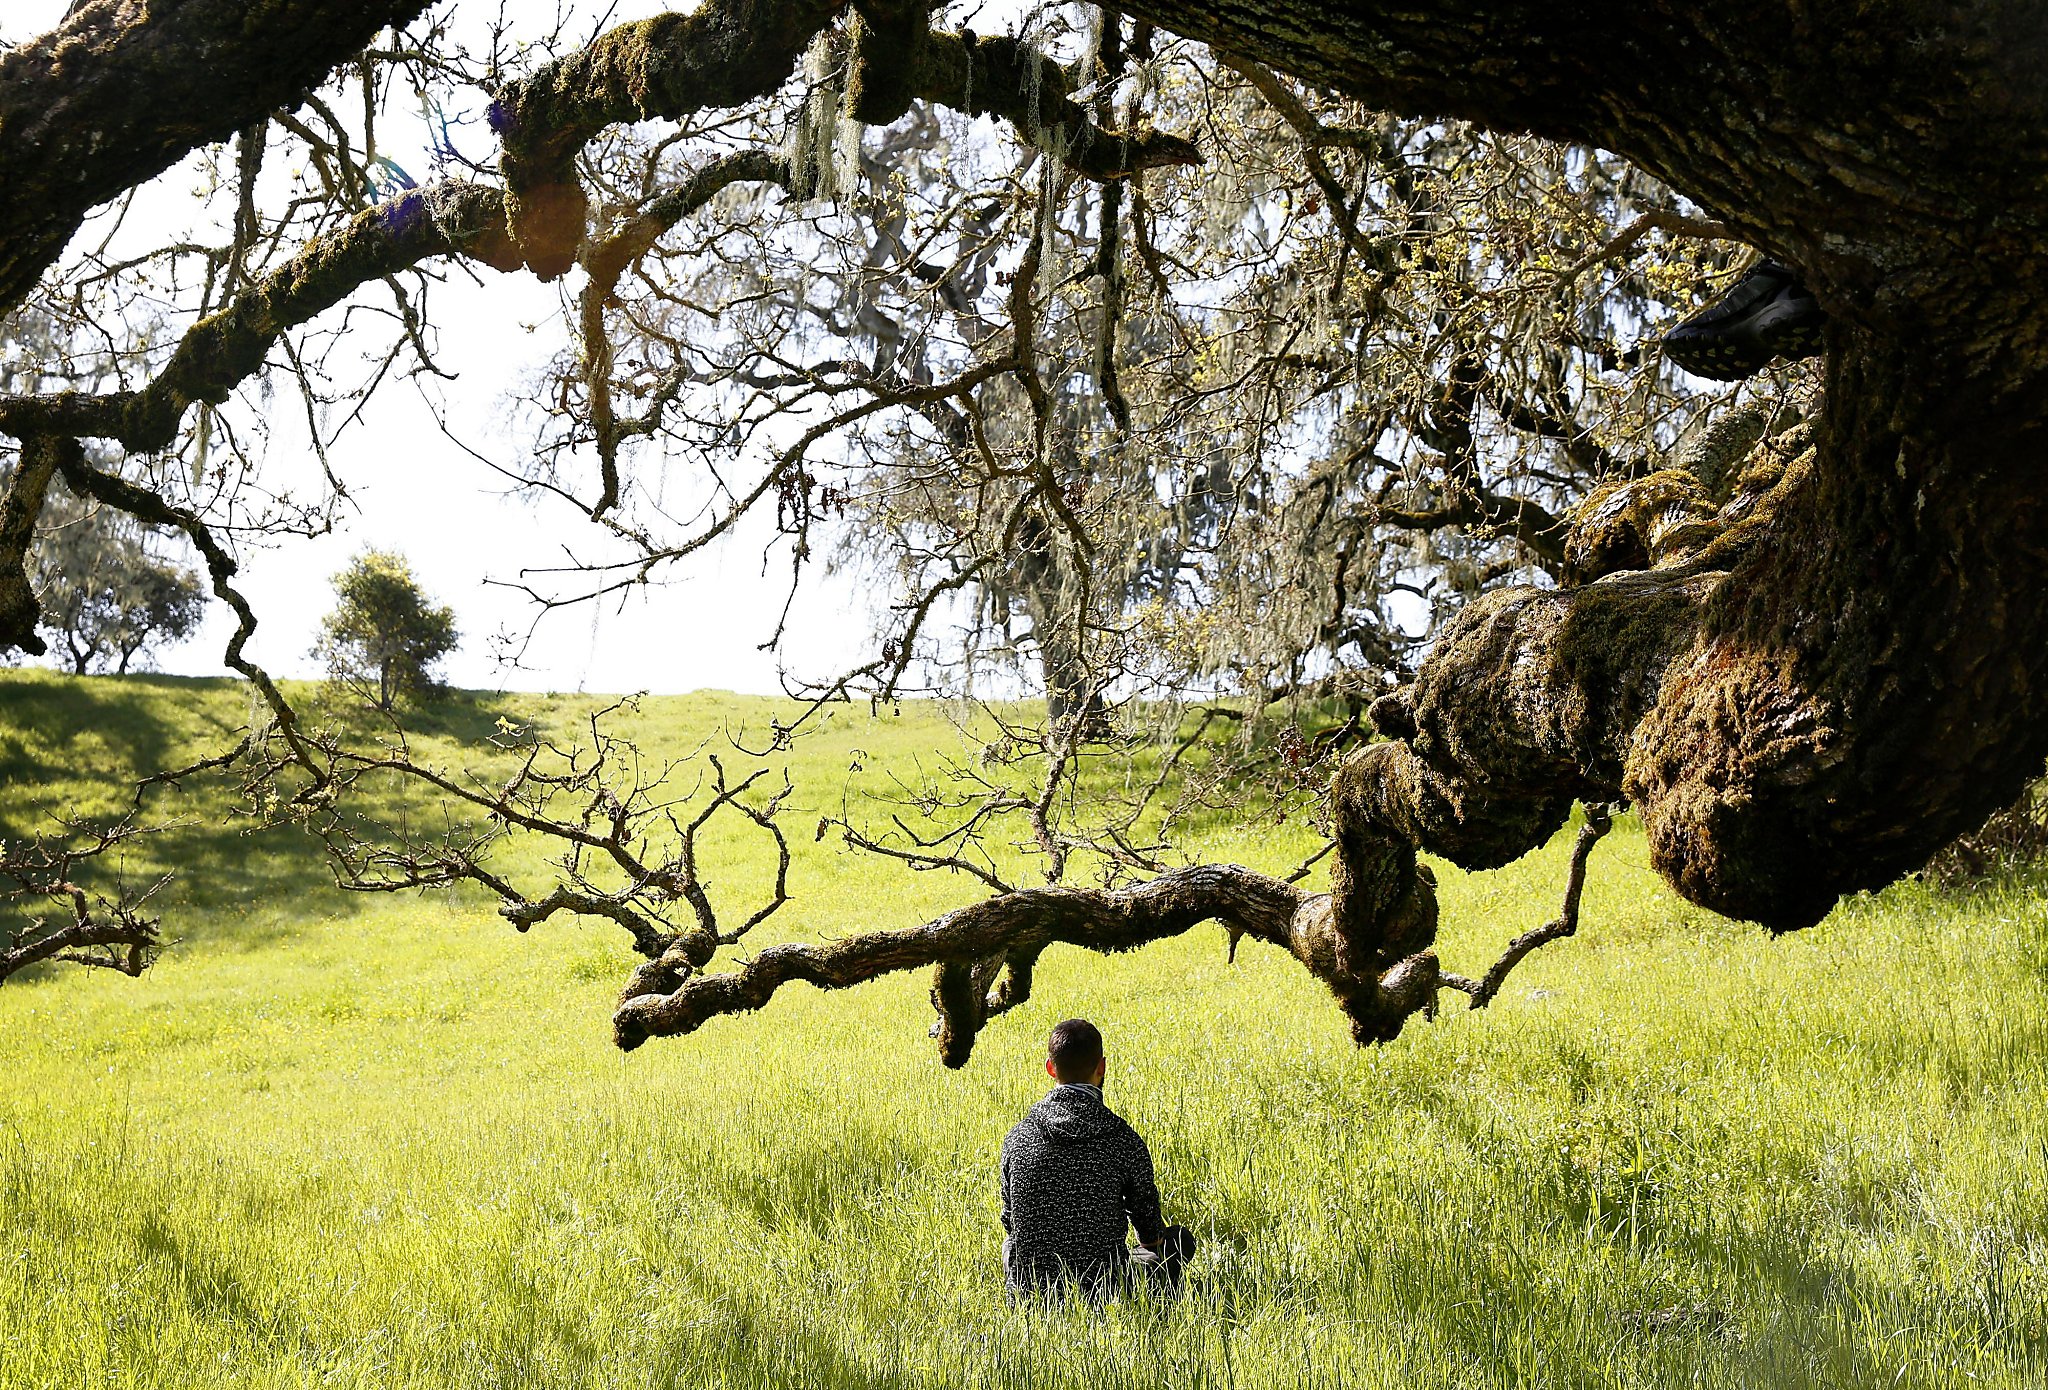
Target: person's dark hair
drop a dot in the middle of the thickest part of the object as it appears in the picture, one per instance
(1074, 1047)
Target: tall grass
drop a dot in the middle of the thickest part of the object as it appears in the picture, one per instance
(386, 1142)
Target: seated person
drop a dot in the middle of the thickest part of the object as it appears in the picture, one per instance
(1073, 1175)
(1768, 313)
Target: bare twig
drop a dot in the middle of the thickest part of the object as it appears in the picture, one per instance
(95, 930)
(1599, 820)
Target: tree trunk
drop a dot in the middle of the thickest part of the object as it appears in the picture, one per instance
(1069, 684)
(1854, 675)
(1056, 627)
(1864, 686)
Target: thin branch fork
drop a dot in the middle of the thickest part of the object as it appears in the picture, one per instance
(102, 932)
(613, 810)
(1656, 220)
(1599, 820)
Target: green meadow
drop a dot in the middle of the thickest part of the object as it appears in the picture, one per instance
(385, 1141)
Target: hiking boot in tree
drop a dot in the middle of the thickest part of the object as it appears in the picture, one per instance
(1768, 313)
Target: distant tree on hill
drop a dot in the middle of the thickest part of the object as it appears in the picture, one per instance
(385, 633)
(107, 590)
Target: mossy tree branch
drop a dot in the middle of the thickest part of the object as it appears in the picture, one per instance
(118, 93)
(732, 51)
(1012, 927)
(666, 68)
(231, 345)
(1009, 78)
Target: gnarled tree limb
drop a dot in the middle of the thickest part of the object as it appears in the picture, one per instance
(1020, 923)
(120, 91)
(227, 347)
(1374, 955)
(732, 51)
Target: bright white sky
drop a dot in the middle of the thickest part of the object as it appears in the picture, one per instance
(420, 495)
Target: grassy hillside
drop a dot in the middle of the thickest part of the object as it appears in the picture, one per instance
(386, 1142)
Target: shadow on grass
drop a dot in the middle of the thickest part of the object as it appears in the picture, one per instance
(811, 1189)
(79, 745)
(208, 1284)
(46, 727)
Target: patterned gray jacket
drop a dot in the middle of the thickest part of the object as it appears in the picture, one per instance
(1073, 1174)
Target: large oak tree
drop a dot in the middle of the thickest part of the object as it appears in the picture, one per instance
(1805, 680)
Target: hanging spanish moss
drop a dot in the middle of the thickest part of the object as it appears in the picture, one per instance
(823, 146)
